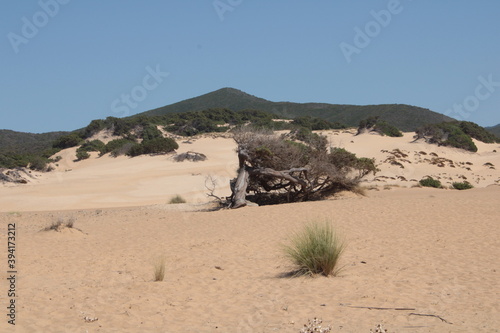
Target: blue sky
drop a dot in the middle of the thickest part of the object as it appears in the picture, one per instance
(66, 62)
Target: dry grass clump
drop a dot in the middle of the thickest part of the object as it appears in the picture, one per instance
(316, 250)
(159, 269)
(177, 200)
(60, 224)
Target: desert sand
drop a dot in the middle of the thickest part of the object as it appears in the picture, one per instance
(417, 259)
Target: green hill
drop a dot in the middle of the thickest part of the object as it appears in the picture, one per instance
(26, 143)
(495, 130)
(405, 117)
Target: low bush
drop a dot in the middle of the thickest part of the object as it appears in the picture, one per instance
(430, 182)
(67, 141)
(82, 155)
(118, 147)
(177, 200)
(316, 250)
(462, 185)
(153, 146)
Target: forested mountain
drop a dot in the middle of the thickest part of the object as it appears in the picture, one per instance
(404, 117)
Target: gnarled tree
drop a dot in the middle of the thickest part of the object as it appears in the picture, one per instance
(277, 169)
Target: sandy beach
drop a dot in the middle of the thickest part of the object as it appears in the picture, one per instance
(417, 259)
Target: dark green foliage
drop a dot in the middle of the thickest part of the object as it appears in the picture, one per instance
(94, 145)
(316, 124)
(135, 149)
(26, 143)
(94, 127)
(404, 117)
(368, 122)
(150, 132)
(82, 155)
(379, 126)
(430, 182)
(462, 186)
(447, 134)
(67, 141)
(38, 163)
(49, 152)
(477, 132)
(217, 120)
(118, 147)
(387, 129)
(154, 146)
(344, 160)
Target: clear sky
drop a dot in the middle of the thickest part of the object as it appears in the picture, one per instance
(66, 62)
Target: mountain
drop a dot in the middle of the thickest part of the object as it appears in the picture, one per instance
(406, 117)
(495, 130)
(26, 143)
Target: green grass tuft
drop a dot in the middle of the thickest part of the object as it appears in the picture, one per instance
(159, 269)
(316, 250)
(177, 199)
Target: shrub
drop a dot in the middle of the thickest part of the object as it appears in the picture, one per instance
(94, 145)
(462, 186)
(38, 163)
(153, 146)
(387, 129)
(67, 141)
(82, 155)
(447, 134)
(151, 132)
(430, 182)
(177, 200)
(94, 127)
(118, 147)
(379, 126)
(159, 269)
(316, 250)
(274, 170)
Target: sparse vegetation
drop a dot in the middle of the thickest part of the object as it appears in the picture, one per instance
(177, 200)
(60, 224)
(159, 269)
(462, 185)
(316, 250)
(456, 134)
(430, 182)
(373, 124)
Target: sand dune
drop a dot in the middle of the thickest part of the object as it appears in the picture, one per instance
(426, 258)
(101, 182)
(430, 250)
